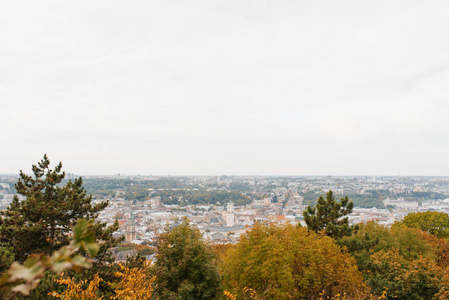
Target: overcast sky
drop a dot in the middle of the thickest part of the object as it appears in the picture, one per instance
(263, 87)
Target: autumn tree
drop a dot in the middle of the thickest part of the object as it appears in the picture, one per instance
(440, 247)
(76, 291)
(431, 221)
(132, 284)
(135, 283)
(185, 267)
(329, 215)
(414, 279)
(289, 262)
(407, 262)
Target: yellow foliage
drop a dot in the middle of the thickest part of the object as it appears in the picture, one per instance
(248, 293)
(75, 290)
(135, 283)
(229, 295)
(287, 262)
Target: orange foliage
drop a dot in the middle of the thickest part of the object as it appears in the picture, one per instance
(441, 248)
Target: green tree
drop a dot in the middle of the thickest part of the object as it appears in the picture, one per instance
(6, 258)
(41, 223)
(431, 221)
(329, 215)
(185, 266)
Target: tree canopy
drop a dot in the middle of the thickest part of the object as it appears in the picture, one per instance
(408, 263)
(289, 262)
(431, 221)
(186, 266)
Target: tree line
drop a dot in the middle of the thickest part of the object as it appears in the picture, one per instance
(51, 248)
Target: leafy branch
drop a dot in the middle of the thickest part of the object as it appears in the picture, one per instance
(22, 278)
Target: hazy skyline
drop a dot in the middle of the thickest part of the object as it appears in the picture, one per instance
(206, 87)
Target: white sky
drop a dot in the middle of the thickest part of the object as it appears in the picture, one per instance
(266, 87)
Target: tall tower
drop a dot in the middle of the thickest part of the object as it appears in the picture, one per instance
(130, 228)
(230, 218)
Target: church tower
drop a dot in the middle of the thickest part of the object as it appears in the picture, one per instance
(130, 228)
(230, 218)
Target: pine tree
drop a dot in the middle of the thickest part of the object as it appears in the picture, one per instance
(329, 215)
(41, 223)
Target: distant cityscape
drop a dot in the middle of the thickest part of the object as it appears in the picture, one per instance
(223, 207)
